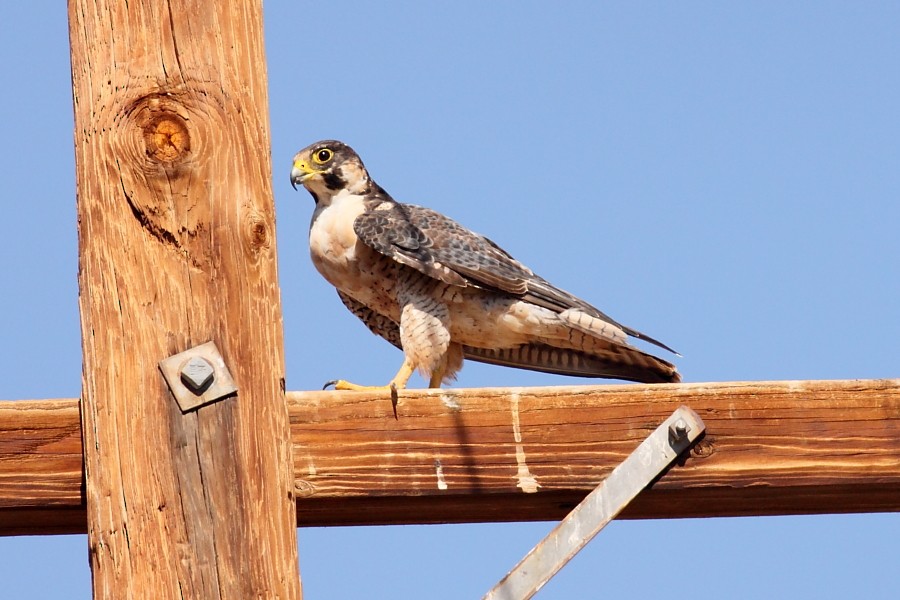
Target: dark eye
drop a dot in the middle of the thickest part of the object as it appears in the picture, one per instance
(323, 156)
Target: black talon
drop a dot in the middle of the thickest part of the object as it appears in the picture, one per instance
(329, 384)
(394, 399)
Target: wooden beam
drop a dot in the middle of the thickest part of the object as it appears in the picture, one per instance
(41, 468)
(177, 248)
(771, 448)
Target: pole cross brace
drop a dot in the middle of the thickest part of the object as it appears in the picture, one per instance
(601, 506)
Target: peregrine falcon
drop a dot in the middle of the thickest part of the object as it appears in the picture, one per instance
(442, 293)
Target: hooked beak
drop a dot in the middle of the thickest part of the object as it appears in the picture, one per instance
(297, 176)
(300, 172)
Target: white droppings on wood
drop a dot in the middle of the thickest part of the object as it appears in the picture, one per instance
(449, 400)
(526, 481)
(439, 473)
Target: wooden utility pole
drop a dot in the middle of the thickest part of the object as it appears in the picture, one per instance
(177, 248)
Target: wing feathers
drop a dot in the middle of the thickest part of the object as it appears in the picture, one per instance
(441, 248)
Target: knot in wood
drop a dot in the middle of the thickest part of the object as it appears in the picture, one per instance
(303, 488)
(257, 232)
(260, 234)
(703, 448)
(166, 137)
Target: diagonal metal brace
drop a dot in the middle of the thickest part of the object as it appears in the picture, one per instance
(601, 506)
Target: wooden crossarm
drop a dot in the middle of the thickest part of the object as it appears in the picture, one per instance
(771, 448)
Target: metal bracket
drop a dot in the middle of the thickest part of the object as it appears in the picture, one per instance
(197, 376)
(601, 506)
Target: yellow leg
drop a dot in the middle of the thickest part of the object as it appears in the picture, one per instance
(437, 377)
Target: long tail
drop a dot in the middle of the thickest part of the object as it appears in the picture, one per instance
(614, 362)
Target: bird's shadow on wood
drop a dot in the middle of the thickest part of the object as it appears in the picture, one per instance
(466, 454)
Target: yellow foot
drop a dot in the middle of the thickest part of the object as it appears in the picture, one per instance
(341, 384)
(397, 383)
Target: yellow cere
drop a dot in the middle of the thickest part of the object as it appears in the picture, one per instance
(304, 166)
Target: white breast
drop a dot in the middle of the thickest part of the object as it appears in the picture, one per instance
(332, 241)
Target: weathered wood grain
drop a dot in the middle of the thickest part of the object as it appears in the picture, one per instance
(177, 247)
(40, 454)
(771, 448)
(41, 468)
(499, 454)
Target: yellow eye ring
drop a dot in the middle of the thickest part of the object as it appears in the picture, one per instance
(322, 156)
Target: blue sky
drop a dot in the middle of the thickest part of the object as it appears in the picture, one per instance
(722, 176)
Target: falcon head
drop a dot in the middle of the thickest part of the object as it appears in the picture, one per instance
(327, 167)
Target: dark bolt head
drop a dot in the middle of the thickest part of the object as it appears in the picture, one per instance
(679, 429)
(197, 375)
